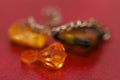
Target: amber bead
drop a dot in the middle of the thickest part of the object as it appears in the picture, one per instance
(29, 56)
(81, 35)
(53, 56)
(21, 33)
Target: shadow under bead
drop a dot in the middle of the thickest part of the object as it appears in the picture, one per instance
(84, 36)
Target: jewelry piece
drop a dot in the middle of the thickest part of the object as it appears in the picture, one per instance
(86, 35)
(83, 36)
(29, 33)
(53, 56)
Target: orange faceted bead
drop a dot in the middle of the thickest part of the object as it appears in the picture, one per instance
(53, 56)
(21, 33)
(29, 56)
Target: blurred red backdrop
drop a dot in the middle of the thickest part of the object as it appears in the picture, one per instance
(105, 66)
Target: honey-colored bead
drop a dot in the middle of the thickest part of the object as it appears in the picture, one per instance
(29, 56)
(21, 33)
(53, 56)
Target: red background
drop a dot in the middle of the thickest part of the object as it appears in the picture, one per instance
(105, 66)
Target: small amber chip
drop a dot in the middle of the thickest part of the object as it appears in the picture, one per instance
(29, 56)
(53, 56)
(21, 33)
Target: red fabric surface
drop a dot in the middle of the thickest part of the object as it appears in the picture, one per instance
(104, 66)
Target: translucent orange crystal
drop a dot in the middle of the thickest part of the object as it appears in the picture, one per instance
(53, 56)
(29, 56)
(21, 33)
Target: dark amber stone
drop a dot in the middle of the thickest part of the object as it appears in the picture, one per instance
(83, 36)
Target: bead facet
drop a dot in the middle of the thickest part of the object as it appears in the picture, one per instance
(53, 56)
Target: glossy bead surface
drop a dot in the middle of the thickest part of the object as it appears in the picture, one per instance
(21, 33)
(84, 35)
(29, 56)
(53, 56)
